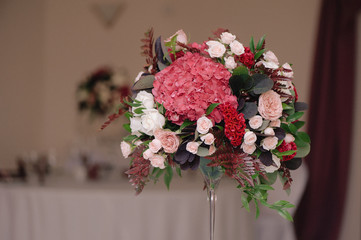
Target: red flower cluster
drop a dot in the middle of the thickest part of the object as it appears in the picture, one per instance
(287, 147)
(234, 124)
(247, 58)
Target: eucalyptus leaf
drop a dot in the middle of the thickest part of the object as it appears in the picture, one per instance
(264, 125)
(299, 124)
(303, 151)
(249, 110)
(293, 164)
(145, 82)
(272, 177)
(304, 136)
(203, 152)
(159, 50)
(239, 83)
(292, 128)
(161, 65)
(262, 83)
(241, 70)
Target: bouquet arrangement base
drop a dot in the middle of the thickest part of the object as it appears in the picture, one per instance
(217, 106)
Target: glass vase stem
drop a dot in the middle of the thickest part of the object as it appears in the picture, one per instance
(212, 211)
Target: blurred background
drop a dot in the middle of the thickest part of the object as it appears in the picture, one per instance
(48, 47)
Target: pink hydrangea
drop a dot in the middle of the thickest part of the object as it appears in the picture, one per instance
(189, 85)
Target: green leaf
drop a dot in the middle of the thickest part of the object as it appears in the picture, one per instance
(178, 170)
(211, 108)
(299, 124)
(286, 215)
(286, 106)
(258, 54)
(240, 70)
(168, 176)
(249, 110)
(129, 138)
(272, 177)
(185, 124)
(239, 83)
(292, 128)
(251, 45)
(126, 126)
(245, 203)
(257, 208)
(299, 142)
(128, 115)
(285, 127)
(303, 151)
(260, 42)
(262, 83)
(286, 153)
(133, 104)
(294, 116)
(304, 137)
(138, 110)
(264, 187)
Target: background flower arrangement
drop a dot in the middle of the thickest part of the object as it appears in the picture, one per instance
(215, 104)
(100, 92)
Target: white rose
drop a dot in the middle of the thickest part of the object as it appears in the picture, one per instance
(125, 148)
(276, 166)
(269, 131)
(146, 98)
(208, 138)
(275, 123)
(157, 161)
(289, 138)
(249, 149)
(230, 63)
(148, 154)
(203, 125)
(138, 76)
(236, 47)
(152, 120)
(216, 49)
(269, 56)
(250, 138)
(136, 125)
(227, 37)
(155, 145)
(192, 147)
(255, 121)
(269, 143)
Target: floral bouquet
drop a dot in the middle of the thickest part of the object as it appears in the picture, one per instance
(100, 92)
(216, 105)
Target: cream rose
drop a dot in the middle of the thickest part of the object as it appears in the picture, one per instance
(181, 37)
(270, 105)
(204, 124)
(269, 143)
(157, 161)
(152, 120)
(155, 145)
(227, 37)
(255, 121)
(236, 47)
(250, 138)
(168, 139)
(125, 148)
(249, 149)
(136, 125)
(269, 56)
(275, 166)
(269, 131)
(146, 98)
(230, 63)
(147, 154)
(216, 49)
(208, 138)
(289, 138)
(275, 123)
(192, 147)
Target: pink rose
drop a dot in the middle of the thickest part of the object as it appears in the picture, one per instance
(227, 37)
(250, 138)
(181, 37)
(208, 138)
(269, 131)
(270, 105)
(192, 147)
(255, 121)
(125, 148)
(230, 63)
(212, 149)
(155, 145)
(147, 154)
(275, 123)
(203, 125)
(157, 161)
(168, 139)
(249, 149)
(289, 138)
(269, 143)
(236, 47)
(216, 49)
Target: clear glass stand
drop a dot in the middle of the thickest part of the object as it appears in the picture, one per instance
(212, 177)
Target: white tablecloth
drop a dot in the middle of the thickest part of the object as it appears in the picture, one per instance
(100, 211)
